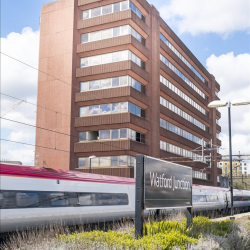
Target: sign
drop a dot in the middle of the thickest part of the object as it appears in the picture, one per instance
(224, 183)
(161, 184)
(166, 184)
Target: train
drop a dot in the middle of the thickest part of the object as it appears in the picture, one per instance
(33, 197)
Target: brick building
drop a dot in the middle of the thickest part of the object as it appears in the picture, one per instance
(120, 82)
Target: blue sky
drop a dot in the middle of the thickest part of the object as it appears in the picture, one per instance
(217, 36)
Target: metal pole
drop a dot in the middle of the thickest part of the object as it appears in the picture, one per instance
(230, 153)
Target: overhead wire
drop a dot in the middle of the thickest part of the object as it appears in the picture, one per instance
(54, 110)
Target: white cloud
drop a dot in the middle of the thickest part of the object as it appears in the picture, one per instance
(207, 16)
(20, 81)
(233, 75)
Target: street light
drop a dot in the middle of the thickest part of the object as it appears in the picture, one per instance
(217, 104)
(91, 157)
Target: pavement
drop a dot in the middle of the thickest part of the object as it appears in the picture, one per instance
(237, 216)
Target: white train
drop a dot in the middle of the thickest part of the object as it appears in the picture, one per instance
(33, 197)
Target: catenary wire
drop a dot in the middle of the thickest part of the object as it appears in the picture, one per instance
(61, 81)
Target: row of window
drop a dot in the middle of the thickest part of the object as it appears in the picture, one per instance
(112, 83)
(112, 8)
(182, 113)
(112, 57)
(112, 134)
(200, 175)
(182, 95)
(107, 161)
(177, 130)
(178, 151)
(31, 199)
(112, 108)
(164, 39)
(112, 32)
(205, 198)
(241, 198)
(183, 77)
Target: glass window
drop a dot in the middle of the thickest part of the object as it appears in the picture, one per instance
(123, 81)
(107, 58)
(94, 110)
(131, 108)
(138, 86)
(94, 36)
(124, 30)
(115, 133)
(84, 62)
(115, 107)
(143, 113)
(142, 138)
(120, 199)
(107, 9)
(106, 83)
(105, 134)
(85, 14)
(96, 12)
(104, 161)
(116, 56)
(85, 199)
(95, 60)
(82, 136)
(115, 82)
(116, 7)
(116, 31)
(124, 107)
(114, 160)
(94, 162)
(107, 33)
(27, 199)
(124, 55)
(84, 86)
(123, 133)
(105, 108)
(105, 199)
(132, 134)
(81, 162)
(138, 111)
(58, 199)
(84, 38)
(123, 160)
(94, 85)
(83, 111)
(124, 5)
(1, 199)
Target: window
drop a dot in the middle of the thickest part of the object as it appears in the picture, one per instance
(114, 160)
(123, 133)
(81, 162)
(96, 12)
(27, 199)
(181, 57)
(104, 134)
(1, 199)
(105, 108)
(85, 199)
(123, 160)
(182, 76)
(107, 9)
(104, 161)
(94, 110)
(58, 199)
(82, 136)
(111, 57)
(115, 134)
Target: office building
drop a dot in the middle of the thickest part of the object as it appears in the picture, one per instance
(119, 82)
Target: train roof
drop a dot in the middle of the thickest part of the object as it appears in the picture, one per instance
(59, 174)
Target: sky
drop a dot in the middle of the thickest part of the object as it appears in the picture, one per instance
(216, 32)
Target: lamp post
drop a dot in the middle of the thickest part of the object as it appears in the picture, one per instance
(91, 157)
(217, 104)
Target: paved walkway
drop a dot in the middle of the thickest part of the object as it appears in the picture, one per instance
(237, 216)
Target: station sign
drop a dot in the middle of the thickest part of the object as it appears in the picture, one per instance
(166, 184)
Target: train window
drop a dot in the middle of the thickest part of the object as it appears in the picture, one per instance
(1, 199)
(212, 198)
(85, 199)
(58, 199)
(199, 198)
(120, 199)
(27, 199)
(105, 199)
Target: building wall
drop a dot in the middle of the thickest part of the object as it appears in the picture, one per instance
(60, 53)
